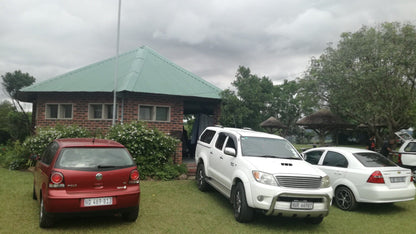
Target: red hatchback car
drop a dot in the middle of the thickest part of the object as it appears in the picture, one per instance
(86, 176)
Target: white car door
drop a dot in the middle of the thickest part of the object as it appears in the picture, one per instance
(227, 163)
(335, 165)
(408, 154)
(216, 157)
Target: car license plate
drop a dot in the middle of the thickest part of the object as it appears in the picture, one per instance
(397, 179)
(301, 205)
(99, 201)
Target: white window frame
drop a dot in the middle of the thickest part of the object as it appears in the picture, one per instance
(104, 111)
(61, 110)
(153, 113)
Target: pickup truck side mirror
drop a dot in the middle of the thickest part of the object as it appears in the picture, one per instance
(230, 151)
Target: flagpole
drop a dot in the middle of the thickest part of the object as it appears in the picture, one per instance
(116, 65)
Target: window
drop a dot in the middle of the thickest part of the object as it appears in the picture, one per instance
(268, 147)
(373, 160)
(91, 158)
(335, 160)
(207, 136)
(411, 147)
(313, 157)
(101, 111)
(220, 141)
(59, 111)
(154, 113)
(49, 153)
(231, 143)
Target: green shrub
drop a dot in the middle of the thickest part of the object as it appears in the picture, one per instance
(38, 143)
(14, 156)
(152, 149)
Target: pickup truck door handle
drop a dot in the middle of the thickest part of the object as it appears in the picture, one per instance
(210, 152)
(232, 164)
(221, 157)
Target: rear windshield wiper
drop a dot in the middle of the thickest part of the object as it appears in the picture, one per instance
(105, 166)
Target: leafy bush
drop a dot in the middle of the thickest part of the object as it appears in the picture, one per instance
(14, 156)
(38, 143)
(152, 149)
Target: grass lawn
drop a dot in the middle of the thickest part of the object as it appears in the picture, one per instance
(179, 207)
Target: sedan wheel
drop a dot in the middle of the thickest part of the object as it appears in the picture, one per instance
(45, 220)
(344, 198)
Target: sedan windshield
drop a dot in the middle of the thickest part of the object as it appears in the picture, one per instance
(94, 158)
(268, 147)
(373, 160)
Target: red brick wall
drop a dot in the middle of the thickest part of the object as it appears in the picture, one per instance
(130, 105)
(81, 101)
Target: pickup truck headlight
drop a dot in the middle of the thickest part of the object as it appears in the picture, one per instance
(264, 178)
(325, 183)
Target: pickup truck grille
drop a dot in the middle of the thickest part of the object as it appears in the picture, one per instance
(299, 182)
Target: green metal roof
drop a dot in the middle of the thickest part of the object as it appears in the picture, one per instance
(141, 70)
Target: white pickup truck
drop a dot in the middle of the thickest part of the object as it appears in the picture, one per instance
(259, 171)
(406, 155)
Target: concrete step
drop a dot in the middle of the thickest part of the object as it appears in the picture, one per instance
(191, 169)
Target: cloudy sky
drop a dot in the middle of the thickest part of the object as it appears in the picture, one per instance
(210, 38)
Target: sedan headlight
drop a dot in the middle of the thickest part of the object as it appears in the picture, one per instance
(264, 178)
(325, 183)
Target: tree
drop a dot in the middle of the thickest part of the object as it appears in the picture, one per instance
(288, 106)
(370, 77)
(12, 83)
(248, 106)
(5, 108)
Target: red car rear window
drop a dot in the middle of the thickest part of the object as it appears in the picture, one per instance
(93, 158)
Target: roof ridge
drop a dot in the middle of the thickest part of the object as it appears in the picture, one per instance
(135, 71)
(188, 73)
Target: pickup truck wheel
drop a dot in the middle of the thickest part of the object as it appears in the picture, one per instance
(45, 220)
(242, 212)
(344, 198)
(201, 178)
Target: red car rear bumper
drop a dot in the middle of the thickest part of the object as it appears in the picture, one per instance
(59, 201)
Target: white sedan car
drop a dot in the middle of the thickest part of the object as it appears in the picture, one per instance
(359, 175)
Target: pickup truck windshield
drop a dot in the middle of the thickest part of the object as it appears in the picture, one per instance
(268, 147)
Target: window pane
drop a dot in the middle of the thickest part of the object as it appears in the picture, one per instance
(109, 111)
(207, 136)
(97, 111)
(335, 160)
(313, 157)
(220, 141)
(145, 113)
(374, 160)
(52, 111)
(91, 158)
(65, 111)
(162, 113)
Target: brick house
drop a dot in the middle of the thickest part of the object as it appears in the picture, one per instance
(150, 88)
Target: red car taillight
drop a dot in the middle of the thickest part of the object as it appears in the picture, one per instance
(56, 180)
(376, 178)
(399, 159)
(134, 177)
